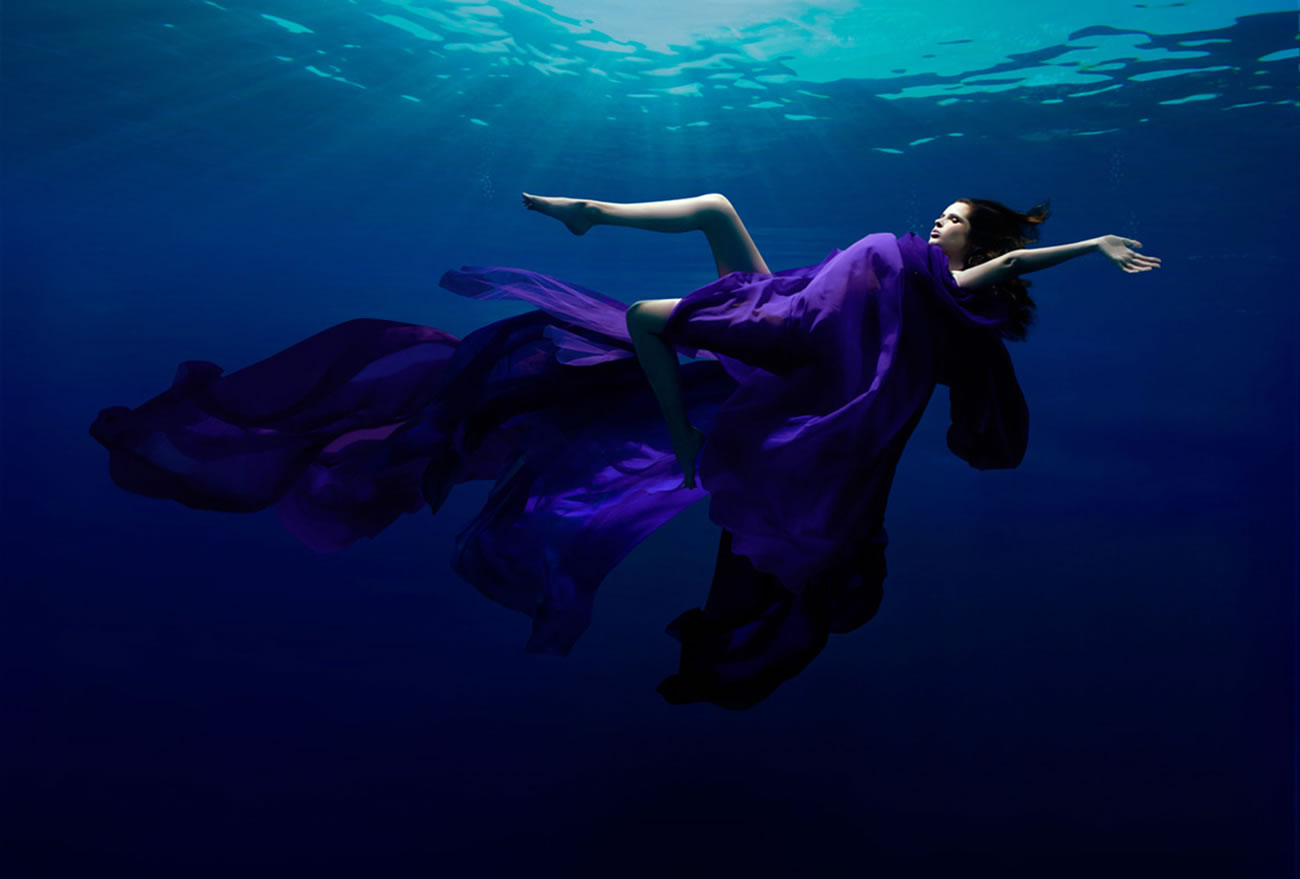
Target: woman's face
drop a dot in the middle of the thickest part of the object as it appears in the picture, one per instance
(952, 232)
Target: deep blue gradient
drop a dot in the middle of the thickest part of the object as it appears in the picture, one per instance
(1082, 666)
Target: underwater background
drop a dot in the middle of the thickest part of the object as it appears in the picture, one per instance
(1083, 666)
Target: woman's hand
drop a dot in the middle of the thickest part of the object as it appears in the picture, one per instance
(1117, 251)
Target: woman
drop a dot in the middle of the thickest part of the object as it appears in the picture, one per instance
(802, 547)
(809, 382)
(988, 251)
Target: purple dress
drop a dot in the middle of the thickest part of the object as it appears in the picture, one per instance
(809, 384)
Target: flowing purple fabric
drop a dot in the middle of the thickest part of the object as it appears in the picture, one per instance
(812, 380)
(835, 368)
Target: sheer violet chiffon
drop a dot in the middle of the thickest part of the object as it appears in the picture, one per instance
(811, 381)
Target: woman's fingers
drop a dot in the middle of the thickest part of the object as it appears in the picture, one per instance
(1139, 262)
(1118, 249)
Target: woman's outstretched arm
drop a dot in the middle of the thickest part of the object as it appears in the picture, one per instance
(1019, 262)
(1115, 248)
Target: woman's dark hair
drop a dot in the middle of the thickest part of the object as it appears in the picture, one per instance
(996, 229)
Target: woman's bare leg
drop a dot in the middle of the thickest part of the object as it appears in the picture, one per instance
(733, 249)
(659, 360)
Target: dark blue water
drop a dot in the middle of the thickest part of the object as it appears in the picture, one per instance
(1084, 666)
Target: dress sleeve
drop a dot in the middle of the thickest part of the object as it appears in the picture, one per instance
(990, 419)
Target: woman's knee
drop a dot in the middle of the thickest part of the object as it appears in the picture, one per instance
(650, 315)
(716, 207)
(638, 319)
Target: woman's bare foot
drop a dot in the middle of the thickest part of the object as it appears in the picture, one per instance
(687, 448)
(575, 213)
